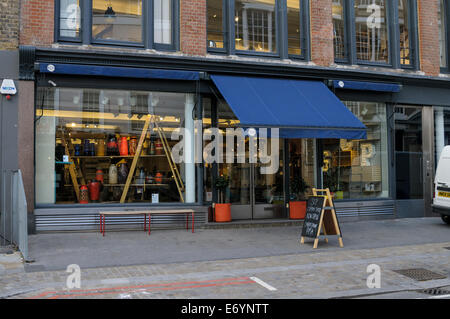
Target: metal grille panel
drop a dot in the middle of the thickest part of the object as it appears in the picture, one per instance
(91, 221)
(420, 274)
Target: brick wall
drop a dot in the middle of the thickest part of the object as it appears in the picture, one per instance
(36, 22)
(9, 24)
(322, 51)
(429, 36)
(193, 27)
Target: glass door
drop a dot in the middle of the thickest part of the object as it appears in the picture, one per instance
(414, 160)
(408, 152)
(268, 188)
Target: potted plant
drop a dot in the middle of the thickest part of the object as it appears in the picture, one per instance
(222, 210)
(332, 180)
(297, 206)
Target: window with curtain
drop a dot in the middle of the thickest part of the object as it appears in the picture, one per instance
(162, 15)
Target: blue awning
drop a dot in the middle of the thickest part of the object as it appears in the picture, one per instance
(300, 109)
(110, 71)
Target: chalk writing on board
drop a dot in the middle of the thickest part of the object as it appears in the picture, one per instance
(312, 219)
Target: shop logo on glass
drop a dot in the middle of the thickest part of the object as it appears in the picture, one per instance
(251, 143)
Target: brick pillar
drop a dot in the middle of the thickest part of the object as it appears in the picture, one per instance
(429, 37)
(193, 27)
(9, 22)
(322, 50)
(37, 22)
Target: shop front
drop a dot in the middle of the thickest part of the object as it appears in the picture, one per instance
(372, 144)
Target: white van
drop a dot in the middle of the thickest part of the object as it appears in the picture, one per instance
(441, 201)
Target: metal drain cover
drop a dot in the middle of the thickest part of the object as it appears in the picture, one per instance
(420, 274)
(436, 291)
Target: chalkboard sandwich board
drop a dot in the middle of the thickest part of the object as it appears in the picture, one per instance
(320, 216)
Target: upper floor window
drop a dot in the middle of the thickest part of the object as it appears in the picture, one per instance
(259, 27)
(138, 23)
(375, 32)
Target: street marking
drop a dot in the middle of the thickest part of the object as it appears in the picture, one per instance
(115, 281)
(124, 292)
(262, 283)
(439, 297)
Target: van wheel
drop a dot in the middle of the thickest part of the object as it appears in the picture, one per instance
(446, 219)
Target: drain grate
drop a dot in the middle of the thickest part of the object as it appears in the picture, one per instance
(420, 274)
(436, 291)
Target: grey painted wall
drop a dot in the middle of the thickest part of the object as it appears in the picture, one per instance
(8, 137)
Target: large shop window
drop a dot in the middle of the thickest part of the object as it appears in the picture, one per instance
(137, 23)
(358, 169)
(255, 27)
(369, 32)
(87, 141)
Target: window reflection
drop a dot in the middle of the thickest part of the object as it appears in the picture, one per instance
(339, 29)
(98, 131)
(118, 20)
(215, 24)
(255, 25)
(371, 31)
(356, 169)
(294, 31)
(69, 18)
(403, 16)
(162, 15)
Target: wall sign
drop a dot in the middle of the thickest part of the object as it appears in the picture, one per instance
(8, 87)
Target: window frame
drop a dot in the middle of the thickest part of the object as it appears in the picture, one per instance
(86, 37)
(281, 25)
(393, 33)
(446, 16)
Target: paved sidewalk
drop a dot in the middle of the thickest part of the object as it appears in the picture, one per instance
(232, 263)
(326, 274)
(90, 250)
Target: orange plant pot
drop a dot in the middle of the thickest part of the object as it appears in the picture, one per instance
(222, 213)
(297, 210)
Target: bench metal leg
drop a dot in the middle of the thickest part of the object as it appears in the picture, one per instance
(192, 221)
(145, 222)
(149, 220)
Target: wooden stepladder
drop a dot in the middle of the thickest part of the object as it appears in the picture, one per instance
(149, 122)
(321, 216)
(74, 169)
